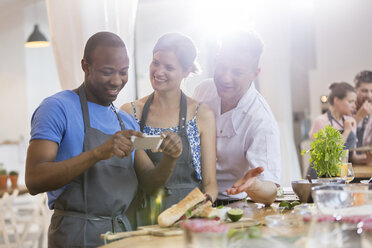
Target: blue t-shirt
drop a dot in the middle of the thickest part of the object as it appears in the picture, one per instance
(59, 119)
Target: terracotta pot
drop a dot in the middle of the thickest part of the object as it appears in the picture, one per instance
(13, 180)
(3, 181)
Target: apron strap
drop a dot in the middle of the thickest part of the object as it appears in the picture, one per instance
(84, 107)
(182, 116)
(330, 118)
(122, 126)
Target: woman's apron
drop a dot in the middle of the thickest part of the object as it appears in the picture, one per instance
(96, 201)
(350, 143)
(181, 182)
(351, 139)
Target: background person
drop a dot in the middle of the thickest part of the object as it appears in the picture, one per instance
(167, 108)
(248, 139)
(342, 99)
(363, 86)
(80, 151)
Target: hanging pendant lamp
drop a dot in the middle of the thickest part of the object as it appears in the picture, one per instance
(36, 39)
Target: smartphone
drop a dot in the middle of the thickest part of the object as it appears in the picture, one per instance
(152, 142)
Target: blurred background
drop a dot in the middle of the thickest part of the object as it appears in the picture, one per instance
(308, 45)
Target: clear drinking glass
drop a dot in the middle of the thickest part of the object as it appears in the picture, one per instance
(350, 173)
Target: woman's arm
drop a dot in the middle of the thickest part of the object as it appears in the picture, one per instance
(207, 129)
(151, 177)
(349, 126)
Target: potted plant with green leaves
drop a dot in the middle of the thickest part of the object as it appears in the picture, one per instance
(3, 177)
(326, 152)
(13, 175)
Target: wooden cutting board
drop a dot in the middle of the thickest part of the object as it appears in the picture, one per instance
(156, 230)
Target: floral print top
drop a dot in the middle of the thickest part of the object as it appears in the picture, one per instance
(193, 137)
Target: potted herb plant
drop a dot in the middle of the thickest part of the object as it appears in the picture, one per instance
(3, 179)
(13, 175)
(326, 152)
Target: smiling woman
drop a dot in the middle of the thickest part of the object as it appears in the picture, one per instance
(168, 108)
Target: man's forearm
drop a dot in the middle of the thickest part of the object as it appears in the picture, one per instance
(263, 192)
(49, 176)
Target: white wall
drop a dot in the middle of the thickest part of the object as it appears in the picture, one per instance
(41, 72)
(343, 45)
(13, 97)
(27, 75)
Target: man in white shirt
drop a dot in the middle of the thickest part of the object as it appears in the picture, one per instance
(248, 139)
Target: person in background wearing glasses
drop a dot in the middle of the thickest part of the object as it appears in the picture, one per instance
(248, 139)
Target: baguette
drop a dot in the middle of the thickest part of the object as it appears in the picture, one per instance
(174, 213)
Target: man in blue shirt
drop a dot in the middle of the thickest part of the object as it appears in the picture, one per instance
(81, 153)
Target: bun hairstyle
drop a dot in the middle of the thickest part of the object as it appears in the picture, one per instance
(182, 46)
(339, 90)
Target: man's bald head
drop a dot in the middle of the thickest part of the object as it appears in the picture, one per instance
(101, 39)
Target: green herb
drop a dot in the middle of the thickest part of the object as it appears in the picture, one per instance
(286, 205)
(326, 152)
(188, 213)
(2, 172)
(220, 206)
(289, 205)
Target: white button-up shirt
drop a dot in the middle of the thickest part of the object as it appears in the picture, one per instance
(247, 137)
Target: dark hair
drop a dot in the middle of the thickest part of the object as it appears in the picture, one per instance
(247, 42)
(101, 39)
(362, 77)
(339, 90)
(182, 46)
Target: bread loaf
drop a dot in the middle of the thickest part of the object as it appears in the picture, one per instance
(174, 213)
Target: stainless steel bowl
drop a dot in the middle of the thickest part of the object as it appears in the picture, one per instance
(303, 188)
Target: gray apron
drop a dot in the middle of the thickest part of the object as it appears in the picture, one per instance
(351, 139)
(181, 182)
(96, 201)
